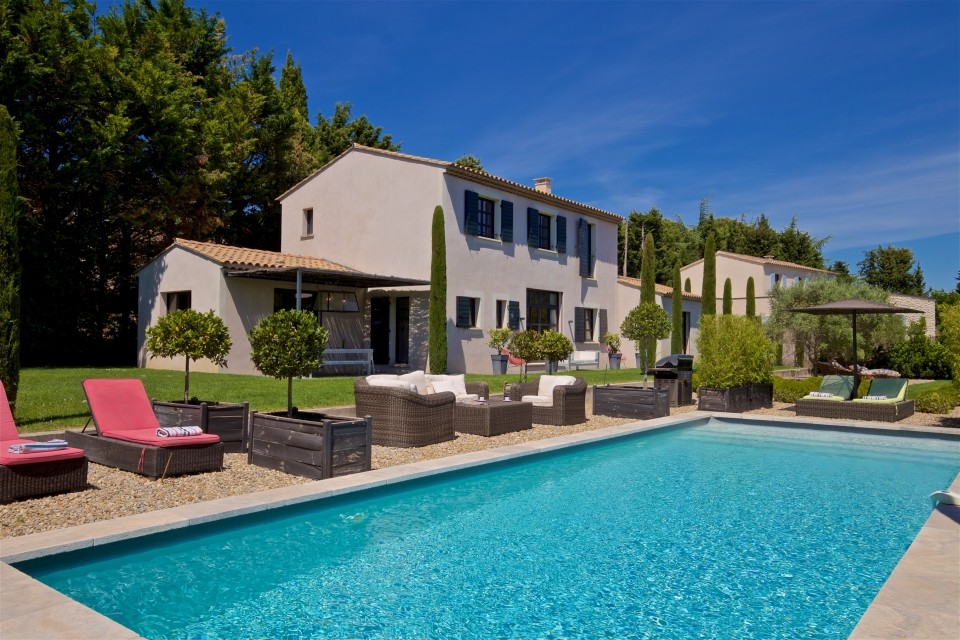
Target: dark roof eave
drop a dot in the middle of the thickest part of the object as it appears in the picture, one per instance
(324, 276)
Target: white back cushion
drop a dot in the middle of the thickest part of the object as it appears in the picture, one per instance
(382, 376)
(547, 383)
(439, 386)
(417, 378)
(459, 383)
(393, 384)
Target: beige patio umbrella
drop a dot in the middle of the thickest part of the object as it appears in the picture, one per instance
(853, 307)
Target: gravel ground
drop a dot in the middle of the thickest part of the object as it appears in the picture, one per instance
(113, 493)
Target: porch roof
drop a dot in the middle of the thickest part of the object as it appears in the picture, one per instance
(240, 262)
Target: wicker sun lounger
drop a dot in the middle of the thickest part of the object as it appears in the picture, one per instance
(25, 475)
(126, 436)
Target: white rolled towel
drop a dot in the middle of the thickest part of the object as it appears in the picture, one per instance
(33, 447)
(178, 432)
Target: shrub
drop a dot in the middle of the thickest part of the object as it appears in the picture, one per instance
(526, 346)
(612, 340)
(942, 401)
(554, 346)
(191, 334)
(921, 357)
(734, 351)
(791, 390)
(497, 339)
(286, 344)
(10, 268)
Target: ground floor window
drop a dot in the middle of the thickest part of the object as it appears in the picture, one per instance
(468, 309)
(543, 310)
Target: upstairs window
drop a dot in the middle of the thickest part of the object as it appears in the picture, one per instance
(307, 230)
(486, 223)
(587, 248)
(480, 217)
(544, 235)
(178, 300)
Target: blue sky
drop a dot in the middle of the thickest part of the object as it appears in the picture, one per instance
(845, 115)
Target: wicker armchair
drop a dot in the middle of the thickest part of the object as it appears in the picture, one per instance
(403, 418)
(569, 402)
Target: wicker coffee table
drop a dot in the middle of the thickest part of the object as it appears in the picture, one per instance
(493, 417)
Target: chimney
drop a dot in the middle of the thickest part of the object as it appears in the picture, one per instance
(543, 185)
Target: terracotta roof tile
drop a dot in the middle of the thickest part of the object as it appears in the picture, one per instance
(227, 255)
(662, 289)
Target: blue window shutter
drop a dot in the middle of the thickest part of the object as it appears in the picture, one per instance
(561, 234)
(471, 211)
(463, 311)
(579, 324)
(602, 324)
(506, 221)
(584, 248)
(513, 315)
(533, 227)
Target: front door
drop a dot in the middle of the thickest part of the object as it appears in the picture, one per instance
(402, 347)
(380, 329)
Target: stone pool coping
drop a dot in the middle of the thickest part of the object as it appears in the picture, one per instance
(919, 599)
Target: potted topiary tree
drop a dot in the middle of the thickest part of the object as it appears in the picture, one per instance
(644, 324)
(288, 344)
(612, 340)
(526, 346)
(554, 346)
(197, 336)
(736, 364)
(497, 339)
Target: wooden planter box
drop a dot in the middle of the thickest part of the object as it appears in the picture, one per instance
(229, 421)
(314, 445)
(630, 401)
(736, 399)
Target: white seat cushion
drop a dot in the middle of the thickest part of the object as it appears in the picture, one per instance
(467, 397)
(547, 383)
(417, 378)
(439, 386)
(382, 376)
(459, 383)
(393, 384)
(538, 401)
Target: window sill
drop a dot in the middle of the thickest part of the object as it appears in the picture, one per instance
(489, 240)
(550, 251)
(307, 237)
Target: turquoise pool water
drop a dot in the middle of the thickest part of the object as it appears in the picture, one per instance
(719, 530)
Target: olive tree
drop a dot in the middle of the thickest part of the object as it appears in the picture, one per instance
(190, 334)
(288, 343)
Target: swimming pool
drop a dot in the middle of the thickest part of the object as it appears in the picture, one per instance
(719, 529)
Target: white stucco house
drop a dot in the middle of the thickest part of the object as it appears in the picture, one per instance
(766, 273)
(628, 297)
(356, 235)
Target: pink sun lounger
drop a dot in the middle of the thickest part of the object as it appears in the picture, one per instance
(35, 473)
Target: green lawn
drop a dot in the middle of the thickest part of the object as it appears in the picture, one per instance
(916, 389)
(52, 398)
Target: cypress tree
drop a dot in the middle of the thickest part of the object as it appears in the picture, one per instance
(751, 298)
(727, 297)
(437, 330)
(648, 271)
(9, 259)
(687, 286)
(676, 335)
(708, 296)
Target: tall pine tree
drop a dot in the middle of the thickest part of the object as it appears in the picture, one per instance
(9, 259)
(708, 295)
(437, 327)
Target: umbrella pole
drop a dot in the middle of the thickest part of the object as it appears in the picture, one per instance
(856, 370)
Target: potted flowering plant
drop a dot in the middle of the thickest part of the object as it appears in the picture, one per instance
(497, 339)
(612, 340)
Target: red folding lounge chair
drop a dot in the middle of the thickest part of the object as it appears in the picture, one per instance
(36, 473)
(127, 434)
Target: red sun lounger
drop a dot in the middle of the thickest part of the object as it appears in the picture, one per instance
(35, 472)
(127, 436)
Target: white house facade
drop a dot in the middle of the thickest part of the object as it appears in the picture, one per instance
(516, 256)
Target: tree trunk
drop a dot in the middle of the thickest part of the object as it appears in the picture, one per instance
(290, 397)
(186, 381)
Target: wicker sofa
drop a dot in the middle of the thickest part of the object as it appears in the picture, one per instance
(569, 402)
(403, 418)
